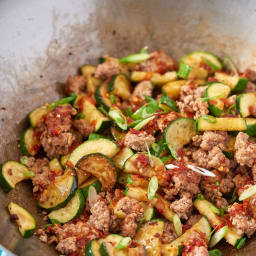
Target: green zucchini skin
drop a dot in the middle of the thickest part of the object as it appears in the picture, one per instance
(96, 184)
(101, 99)
(3, 183)
(92, 248)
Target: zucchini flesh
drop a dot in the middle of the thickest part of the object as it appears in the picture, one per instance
(99, 166)
(91, 182)
(215, 92)
(117, 134)
(37, 115)
(64, 160)
(29, 142)
(147, 236)
(244, 103)
(202, 226)
(60, 191)
(132, 179)
(179, 132)
(120, 158)
(72, 210)
(156, 78)
(221, 124)
(158, 168)
(191, 72)
(24, 220)
(172, 89)
(120, 85)
(12, 173)
(101, 145)
(92, 248)
(149, 211)
(236, 83)
(251, 126)
(102, 96)
(55, 166)
(204, 207)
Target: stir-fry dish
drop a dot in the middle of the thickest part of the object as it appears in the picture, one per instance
(145, 156)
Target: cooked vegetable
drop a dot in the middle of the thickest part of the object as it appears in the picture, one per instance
(101, 167)
(251, 126)
(71, 99)
(55, 166)
(92, 248)
(64, 159)
(149, 212)
(169, 102)
(136, 57)
(90, 182)
(102, 97)
(177, 224)
(172, 89)
(152, 187)
(36, 116)
(73, 208)
(120, 158)
(248, 193)
(12, 173)
(120, 85)
(190, 72)
(23, 218)
(119, 118)
(133, 179)
(245, 103)
(218, 235)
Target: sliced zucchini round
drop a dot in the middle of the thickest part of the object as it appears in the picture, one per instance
(157, 167)
(55, 166)
(29, 143)
(244, 103)
(13, 172)
(37, 115)
(72, 210)
(102, 97)
(92, 248)
(116, 133)
(215, 92)
(251, 126)
(100, 166)
(104, 146)
(120, 85)
(149, 212)
(179, 133)
(120, 158)
(91, 182)
(23, 218)
(60, 191)
(118, 117)
(195, 58)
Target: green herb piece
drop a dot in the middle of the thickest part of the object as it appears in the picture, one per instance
(215, 252)
(24, 160)
(126, 191)
(174, 153)
(164, 159)
(112, 98)
(200, 196)
(217, 183)
(94, 136)
(233, 197)
(128, 112)
(118, 117)
(169, 102)
(129, 179)
(241, 243)
(222, 211)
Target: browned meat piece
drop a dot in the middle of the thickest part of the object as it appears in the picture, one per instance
(107, 69)
(42, 235)
(198, 251)
(164, 120)
(193, 219)
(245, 151)
(100, 218)
(142, 89)
(183, 206)
(114, 225)
(252, 206)
(226, 185)
(75, 85)
(241, 219)
(158, 62)
(83, 127)
(169, 233)
(190, 100)
(67, 245)
(241, 180)
(137, 141)
(129, 225)
(214, 195)
(250, 74)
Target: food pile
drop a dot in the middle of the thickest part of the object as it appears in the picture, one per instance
(145, 156)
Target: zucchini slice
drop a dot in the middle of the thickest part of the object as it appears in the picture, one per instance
(191, 72)
(92, 248)
(172, 89)
(120, 158)
(91, 182)
(236, 83)
(29, 142)
(221, 124)
(116, 133)
(37, 115)
(148, 170)
(104, 146)
(202, 226)
(64, 160)
(179, 133)
(205, 208)
(195, 58)
(132, 179)
(55, 165)
(215, 92)
(23, 218)
(92, 115)
(149, 212)
(244, 103)
(149, 236)
(101, 167)
(120, 85)
(251, 126)
(12, 173)
(60, 191)
(102, 96)
(118, 117)
(87, 70)
(72, 210)
(156, 78)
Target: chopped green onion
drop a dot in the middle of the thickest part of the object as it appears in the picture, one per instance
(151, 162)
(144, 122)
(144, 49)
(80, 116)
(29, 174)
(217, 183)
(24, 160)
(240, 243)
(184, 70)
(210, 119)
(140, 222)
(200, 196)
(215, 252)
(94, 136)
(174, 153)
(112, 98)
(214, 209)
(152, 187)
(248, 193)
(123, 243)
(230, 65)
(62, 101)
(118, 117)
(180, 249)
(177, 224)
(169, 102)
(128, 112)
(129, 179)
(155, 147)
(233, 197)
(164, 159)
(222, 211)
(47, 225)
(137, 57)
(218, 236)
(126, 191)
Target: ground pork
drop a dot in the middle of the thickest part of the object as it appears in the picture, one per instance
(190, 101)
(67, 246)
(252, 206)
(193, 219)
(75, 85)
(183, 206)
(114, 224)
(142, 89)
(158, 62)
(169, 233)
(245, 151)
(164, 120)
(226, 185)
(129, 225)
(137, 141)
(83, 127)
(198, 251)
(100, 218)
(107, 69)
(42, 235)
(241, 180)
(213, 194)
(250, 74)
(242, 220)
(254, 172)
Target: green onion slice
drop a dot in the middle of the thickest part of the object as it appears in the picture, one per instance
(215, 252)
(143, 123)
(152, 187)
(118, 117)
(123, 243)
(248, 193)
(137, 57)
(129, 179)
(177, 224)
(218, 236)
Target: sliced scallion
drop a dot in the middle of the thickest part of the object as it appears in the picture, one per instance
(217, 236)
(136, 57)
(177, 224)
(152, 187)
(118, 117)
(248, 193)
(142, 123)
